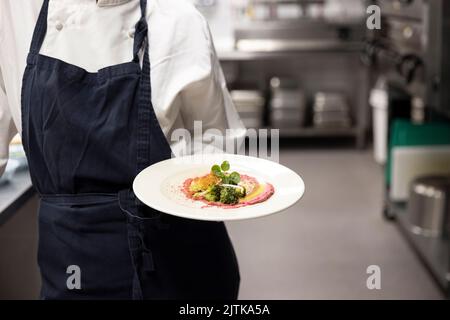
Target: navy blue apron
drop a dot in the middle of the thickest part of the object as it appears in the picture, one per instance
(86, 136)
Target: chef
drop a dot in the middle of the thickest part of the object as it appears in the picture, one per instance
(95, 88)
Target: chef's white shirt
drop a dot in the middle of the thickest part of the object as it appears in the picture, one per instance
(186, 77)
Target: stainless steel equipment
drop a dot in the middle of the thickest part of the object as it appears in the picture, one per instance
(318, 43)
(411, 50)
(288, 105)
(331, 109)
(428, 207)
(250, 106)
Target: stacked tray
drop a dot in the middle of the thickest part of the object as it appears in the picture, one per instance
(331, 109)
(250, 106)
(288, 104)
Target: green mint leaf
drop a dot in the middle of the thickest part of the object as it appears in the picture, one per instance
(235, 177)
(225, 166)
(216, 170)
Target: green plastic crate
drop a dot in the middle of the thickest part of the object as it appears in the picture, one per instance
(407, 134)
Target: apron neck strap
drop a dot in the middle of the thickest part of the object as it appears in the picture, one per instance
(145, 109)
(141, 29)
(40, 30)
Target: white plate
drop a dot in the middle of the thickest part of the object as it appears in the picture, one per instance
(159, 186)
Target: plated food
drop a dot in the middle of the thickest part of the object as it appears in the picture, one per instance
(225, 189)
(190, 187)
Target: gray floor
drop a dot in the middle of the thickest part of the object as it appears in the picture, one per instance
(321, 247)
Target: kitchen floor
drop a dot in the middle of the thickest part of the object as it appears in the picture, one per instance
(321, 247)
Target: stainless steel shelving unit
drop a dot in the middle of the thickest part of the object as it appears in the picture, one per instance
(295, 47)
(320, 55)
(283, 51)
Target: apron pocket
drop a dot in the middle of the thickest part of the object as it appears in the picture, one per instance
(89, 234)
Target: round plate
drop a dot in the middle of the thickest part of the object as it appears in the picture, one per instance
(159, 186)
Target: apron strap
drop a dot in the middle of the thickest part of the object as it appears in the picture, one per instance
(141, 29)
(40, 30)
(144, 108)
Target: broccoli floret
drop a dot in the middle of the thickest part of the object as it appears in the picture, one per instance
(213, 193)
(229, 195)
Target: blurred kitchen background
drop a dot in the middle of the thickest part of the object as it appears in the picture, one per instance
(364, 118)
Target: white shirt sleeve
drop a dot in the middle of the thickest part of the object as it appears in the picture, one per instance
(197, 91)
(7, 128)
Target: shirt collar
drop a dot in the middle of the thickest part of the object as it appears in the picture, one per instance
(106, 3)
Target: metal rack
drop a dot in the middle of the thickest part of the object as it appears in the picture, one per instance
(326, 48)
(274, 48)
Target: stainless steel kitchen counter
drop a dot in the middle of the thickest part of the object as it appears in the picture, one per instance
(14, 194)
